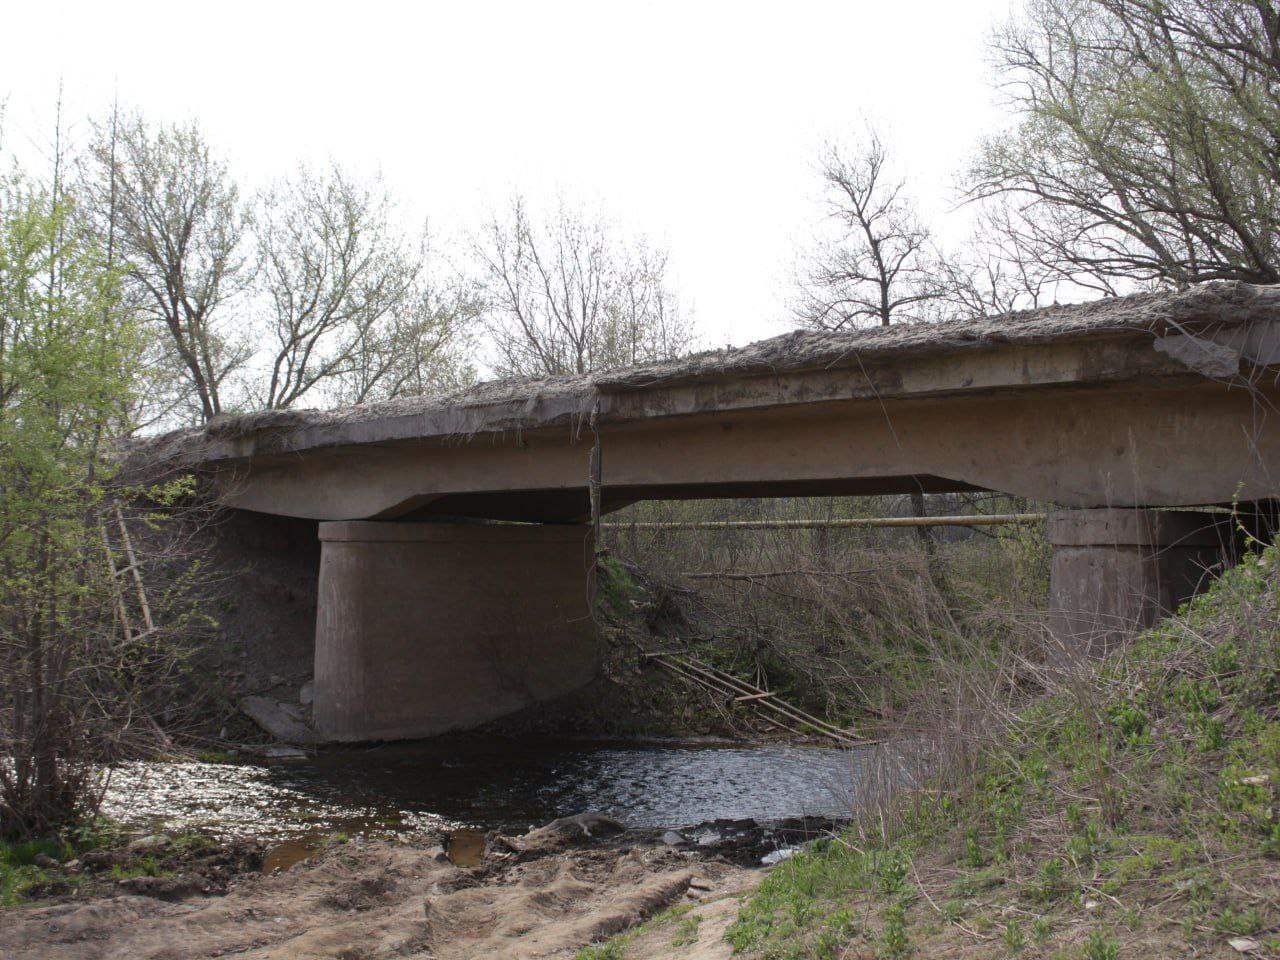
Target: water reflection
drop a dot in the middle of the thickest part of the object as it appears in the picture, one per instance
(482, 782)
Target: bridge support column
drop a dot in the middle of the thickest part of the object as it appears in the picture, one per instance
(422, 628)
(1116, 571)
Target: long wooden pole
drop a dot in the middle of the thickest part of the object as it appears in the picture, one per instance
(986, 520)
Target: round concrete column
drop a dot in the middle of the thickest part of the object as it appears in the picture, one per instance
(423, 628)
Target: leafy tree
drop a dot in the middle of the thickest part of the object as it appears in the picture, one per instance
(350, 309)
(65, 378)
(1147, 147)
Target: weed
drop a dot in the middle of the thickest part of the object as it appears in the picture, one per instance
(893, 938)
(1100, 945)
(1041, 930)
(1013, 937)
(686, 932)
(1240, 923)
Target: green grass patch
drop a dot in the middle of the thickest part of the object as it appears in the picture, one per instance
(1144, 782)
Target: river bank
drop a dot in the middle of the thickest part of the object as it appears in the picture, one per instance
(254, 855)
(547, 894)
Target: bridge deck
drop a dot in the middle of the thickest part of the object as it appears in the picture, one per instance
(1150, 399)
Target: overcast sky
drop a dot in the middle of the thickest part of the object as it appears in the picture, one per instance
(697, 123)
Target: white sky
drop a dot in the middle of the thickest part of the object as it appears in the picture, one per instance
(697, 123)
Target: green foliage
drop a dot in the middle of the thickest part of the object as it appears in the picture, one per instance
(616, 590)
(21, 877)
(1100, 945)
(616, 948)
(1239, 923)
(76, 693)
(1013, 937)
(894, 941)
(686, 932)
(66, 377)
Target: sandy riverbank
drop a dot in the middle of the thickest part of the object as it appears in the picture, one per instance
(372, 899)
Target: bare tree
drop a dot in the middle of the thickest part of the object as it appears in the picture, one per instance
(1148, 147)
(175, 214)
(348, 308)
(569, 295)
(997, 270)
(423, 347)
(879, 266)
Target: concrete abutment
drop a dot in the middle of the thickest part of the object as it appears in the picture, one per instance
(1117, 571)
(423, 628)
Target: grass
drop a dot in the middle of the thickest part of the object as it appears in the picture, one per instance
(1128, 810)
(21, 877)
(24, 880)
(616, 948)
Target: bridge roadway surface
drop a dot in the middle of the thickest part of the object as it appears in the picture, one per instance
(428, 620)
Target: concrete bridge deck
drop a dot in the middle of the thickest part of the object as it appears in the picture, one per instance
(1152, 400)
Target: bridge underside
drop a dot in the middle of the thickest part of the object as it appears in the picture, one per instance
(424, 628)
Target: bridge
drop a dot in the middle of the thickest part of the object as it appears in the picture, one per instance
(456, 534)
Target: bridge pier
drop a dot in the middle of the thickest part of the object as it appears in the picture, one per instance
(1117, 571)
(422, 628)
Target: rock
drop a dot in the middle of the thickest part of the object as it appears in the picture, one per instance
(673, 839)
(153, 843)
(579, 825)
(700, 883)
(437, 854)
(281, 751)
(1244, 944)
(72, 866)
(272, 717)
(97, 860)
(44, 861)
(307, 695)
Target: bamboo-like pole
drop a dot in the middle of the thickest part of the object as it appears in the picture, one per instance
(732, 686)
(984, 520)
(133, 569)
(122, 610)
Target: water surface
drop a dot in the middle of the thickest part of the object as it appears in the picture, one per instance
(487, 782)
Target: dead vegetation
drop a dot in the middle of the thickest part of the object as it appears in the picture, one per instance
(844, 624)
(372, 899)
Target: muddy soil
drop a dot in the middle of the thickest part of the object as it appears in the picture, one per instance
(539, 896)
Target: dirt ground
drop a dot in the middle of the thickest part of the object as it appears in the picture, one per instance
(366, 900)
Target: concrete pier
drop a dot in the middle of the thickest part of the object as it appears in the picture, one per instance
(423, 628)
(1116, 571)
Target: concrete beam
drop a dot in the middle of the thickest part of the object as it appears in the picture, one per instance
(1188, 443)
(423, 628)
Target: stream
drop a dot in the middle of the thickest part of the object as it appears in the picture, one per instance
(478, 782)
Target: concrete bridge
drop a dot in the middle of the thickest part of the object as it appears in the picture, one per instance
(430, 619)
